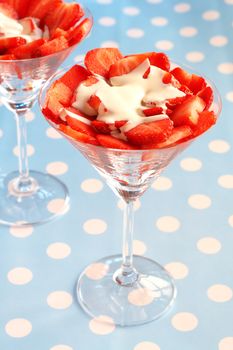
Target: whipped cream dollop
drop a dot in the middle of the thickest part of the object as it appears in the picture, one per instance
(127, 96)
(27, 28)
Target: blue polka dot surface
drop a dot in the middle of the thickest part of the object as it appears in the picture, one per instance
(184, 221)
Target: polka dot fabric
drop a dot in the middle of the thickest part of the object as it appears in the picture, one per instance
(184, 220)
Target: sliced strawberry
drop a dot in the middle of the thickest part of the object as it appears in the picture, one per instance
(79, 136)
(168, 78)
(91, 80)
(197, 84)
(94, 102)
(178, 135)
(152, 111)
(8, 10)
(207, 95)
(101, 127)
(64, 16)
(62, 92)
(80, 126)
(7, 57)
(112, 142)
(74, 76)
(163, 128)
(182, 76)
(29, 25)
(187, 113)
(205, 121)
(77, 33)
(160, 60)
(10, 43)
(59, 32)
(41, 9)
(120, 123)
(126, 65)
(78, 113)
(52, 109)
(52, 46)
(28, 50)
(98, 61)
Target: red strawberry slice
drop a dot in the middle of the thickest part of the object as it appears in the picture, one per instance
(126, 65)
(179, 134)
(101, 127)
(160, 60)
(53, 46)
(163, 128)
(188, 112)
(77, 33)
(98, 61)
(20, 6)
(7, 57)
(74, 76)
(112, 142)
(41, 9)
(59, 32)
(10, 43)
(152, 111)
(78, 113)
(62, 92)
(28, 50)
(52, 109)
(79, 125)
(94, 102)
(207, 95)
(8, 10)
(205, 121)
(197, 84)
(120, 123)
(182, 76)
(76, 135)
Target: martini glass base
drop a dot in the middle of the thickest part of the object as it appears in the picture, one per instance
(147, 299)
(47, 198)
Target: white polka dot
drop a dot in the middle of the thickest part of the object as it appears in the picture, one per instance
(219, 293)
(57, 168)
(229, 96)
(211, 15)
(184, 321)
(229, 2)
(141, 296)
(208, 245)
(1, 133)
(20, 276)
(154, 1)
(135, 33)
(139, 247)
(226, 181)
(109, 43)
(226, 68)
(96, 271)
(182, 7)
(131, 11)
(178, 270)
(53, 134)
(159, 21)
(191, 164)
(58, 250)
(59, 300)
(168, 224)
(121, 204)
(30, 150)
(219, 146)
(95, 226)
(218, 40)
(164, 45)
(195, 56)
(188, 32)
(79, 58)
(102, 325)
(30, 116)
(199, 201)
(146, 345)
(92, 185)
(107, 21)
(21, 232)
(61, 347)
(162, 184)
(104, 2)
(57, 206)
(230, 220)
(18, 328)
(226, 344)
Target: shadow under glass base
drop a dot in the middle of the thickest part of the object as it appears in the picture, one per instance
(147, 299)
(47, 199)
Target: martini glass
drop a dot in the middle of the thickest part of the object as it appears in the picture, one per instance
(24, 195)
(128, 289)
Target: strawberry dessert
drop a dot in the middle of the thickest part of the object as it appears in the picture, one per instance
(35, 28)
(129, 102)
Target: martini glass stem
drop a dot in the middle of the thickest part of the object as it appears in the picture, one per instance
(127, 275)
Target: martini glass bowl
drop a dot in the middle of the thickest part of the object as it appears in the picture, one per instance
(24, 195)
(127, 289)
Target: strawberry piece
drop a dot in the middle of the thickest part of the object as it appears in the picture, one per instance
(160, 60)
(19, 6)
(207, 95)
(28, 50)
(79, 136)
(101, 127)
(91, 80)
(168, 78)
(80, 126)
(53, 46)
(8, 10)
(112, 142)
(120, 123)
(163, 128)
(41, 9)
(197, 84)
(94, 102)
(77, 33)
(7, 57)
(187, 113)
(78, 113)
(10, 43)
(126, 65)
(74, 76)
(179, 134)
(182, 76)
(205, 121)
(152, 111)
(64, 16)
(98, 61)
(62, 92)
(29, 25)
(59, 32)
(52, 109)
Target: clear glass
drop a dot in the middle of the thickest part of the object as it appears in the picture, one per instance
(25, 195)
(129, 289)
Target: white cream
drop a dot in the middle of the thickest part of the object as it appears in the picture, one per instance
(10, 27)
(126, 98)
